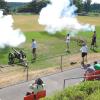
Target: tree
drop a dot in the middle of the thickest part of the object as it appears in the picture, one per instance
(79, 5)
(34, 7)
(3, 5)
(87, 5)
(95, 8)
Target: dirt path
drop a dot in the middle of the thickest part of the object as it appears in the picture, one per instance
(15, 74)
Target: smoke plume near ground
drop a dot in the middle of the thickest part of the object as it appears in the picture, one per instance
(8, 35)
(60, 15)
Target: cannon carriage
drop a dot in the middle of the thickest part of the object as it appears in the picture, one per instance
(17, 57)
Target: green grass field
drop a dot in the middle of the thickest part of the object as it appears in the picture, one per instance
(49, 46)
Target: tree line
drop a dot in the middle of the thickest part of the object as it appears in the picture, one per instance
(35, 6)
(4, 6)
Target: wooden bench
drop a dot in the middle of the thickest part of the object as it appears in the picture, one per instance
(97, 72)
(40, 94)
(37, 96)
(92, 75)
(29, 97)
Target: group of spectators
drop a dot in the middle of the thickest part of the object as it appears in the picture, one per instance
(93, 67)
(84, 48)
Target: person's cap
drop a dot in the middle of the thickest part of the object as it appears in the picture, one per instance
(83, 44)
(32, 39)
(95, 62)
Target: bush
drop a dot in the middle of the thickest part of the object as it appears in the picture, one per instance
(89, 90)
(94, 96)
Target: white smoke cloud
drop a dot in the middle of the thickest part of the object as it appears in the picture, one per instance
(59, 15)
(9, 36)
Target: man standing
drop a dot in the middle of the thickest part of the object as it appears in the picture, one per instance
(34, 46)
(68, 41)
(84, 51)
(93, 43)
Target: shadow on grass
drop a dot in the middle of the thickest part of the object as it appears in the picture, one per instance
(94, 50)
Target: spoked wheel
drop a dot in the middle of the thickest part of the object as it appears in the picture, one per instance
(11, 58)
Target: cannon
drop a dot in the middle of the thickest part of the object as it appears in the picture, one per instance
(15, 56)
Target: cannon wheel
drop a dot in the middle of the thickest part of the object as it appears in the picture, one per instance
(11, 58)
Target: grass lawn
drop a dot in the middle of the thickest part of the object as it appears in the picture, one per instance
(48, 45)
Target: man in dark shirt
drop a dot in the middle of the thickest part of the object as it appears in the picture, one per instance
(93, 43)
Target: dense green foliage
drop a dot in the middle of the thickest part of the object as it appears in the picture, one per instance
(79, 5)
(33, 7)
(84, 91)
(87, 5)
(14, 5)
(3, 5)
(95, 8)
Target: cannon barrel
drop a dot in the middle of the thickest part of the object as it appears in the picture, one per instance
(16, 51)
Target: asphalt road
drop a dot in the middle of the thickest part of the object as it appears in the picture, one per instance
(53, 82)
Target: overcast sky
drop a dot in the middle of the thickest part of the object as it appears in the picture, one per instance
(93, 1)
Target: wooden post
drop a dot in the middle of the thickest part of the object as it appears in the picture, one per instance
(27, 73)
(61, 64)
(64, 84)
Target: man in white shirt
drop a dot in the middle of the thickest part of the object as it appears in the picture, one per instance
(84, 51)
(34, 46)
(68, 41)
